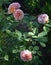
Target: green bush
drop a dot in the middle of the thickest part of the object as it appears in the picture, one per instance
(16, 36)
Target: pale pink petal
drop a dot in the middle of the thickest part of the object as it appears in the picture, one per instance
(18, 14)
(26, 55)
(43, 18)
(12, 7)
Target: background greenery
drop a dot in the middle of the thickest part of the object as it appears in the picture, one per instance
(36, 6)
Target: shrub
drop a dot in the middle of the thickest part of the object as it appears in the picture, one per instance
(25, 35)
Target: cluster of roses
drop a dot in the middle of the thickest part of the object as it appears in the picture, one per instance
(14, 9)
(18, 14)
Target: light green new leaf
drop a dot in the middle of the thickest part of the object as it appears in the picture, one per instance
(46, 29)
(42, 34)
(30, 34)
(6, 57)
(8, 31)
(35, 31)
(18, 33)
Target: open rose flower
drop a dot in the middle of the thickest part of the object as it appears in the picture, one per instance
(18, 14)
(12, 7)
(43, 18)
(26, 55)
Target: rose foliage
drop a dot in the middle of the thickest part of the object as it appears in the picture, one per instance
(22, 36)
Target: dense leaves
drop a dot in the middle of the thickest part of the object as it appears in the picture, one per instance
(16, 36)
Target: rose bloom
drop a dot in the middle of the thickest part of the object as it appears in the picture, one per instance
(43, 18)
(12, 7)
(18, 14)
(26, 55)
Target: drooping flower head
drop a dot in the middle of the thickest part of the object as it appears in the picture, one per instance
(12, 7)
(18, 14)
(43, 18)
(26, 55)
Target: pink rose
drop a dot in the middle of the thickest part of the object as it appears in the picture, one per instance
(12, 7)
(18, 14)
(43, 18)
(26, 55)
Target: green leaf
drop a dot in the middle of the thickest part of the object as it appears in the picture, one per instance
(46, 29)
(6, 57)
(34, 52)
(6, 1)
(14, 51)
(35, 24)
(42, 34)
(43, 39)
(18, 34)
(22, 48)
(1, 2)
(35, 31)
(34, 42)
(30, 34)
(0, 50)
(36, 60)
(27, 39)
(39, 53)
(36, 48)
(8, 18)
(32, 17)
(8, 31)
(48, 25)
(34, 36)
(42, 44)
(31, 48)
